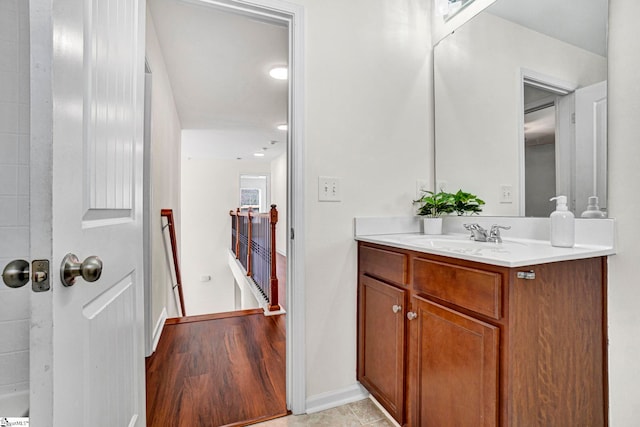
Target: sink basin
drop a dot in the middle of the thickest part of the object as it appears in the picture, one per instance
(459, 242)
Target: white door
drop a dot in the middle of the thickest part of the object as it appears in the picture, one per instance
(591, 145)
(87, 81)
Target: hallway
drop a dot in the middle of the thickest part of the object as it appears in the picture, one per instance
(217, 370)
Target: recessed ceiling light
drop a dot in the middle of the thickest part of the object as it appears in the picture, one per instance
(279, 73)
(258, 154)
(283, 127)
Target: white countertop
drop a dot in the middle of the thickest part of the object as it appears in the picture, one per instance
(593, 239)
(509, 253)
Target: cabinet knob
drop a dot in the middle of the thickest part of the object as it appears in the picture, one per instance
(396, 308)
(411, 315)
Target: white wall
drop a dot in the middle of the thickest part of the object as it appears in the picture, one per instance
(368, 121)
(624, 175)
(279, 198)
(165, 175)
(14, 192)
(482, 135)
(210, 189)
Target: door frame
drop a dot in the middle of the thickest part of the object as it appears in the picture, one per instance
(293, 15)
(544, 81)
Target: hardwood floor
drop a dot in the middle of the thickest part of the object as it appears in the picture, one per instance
(213, 371)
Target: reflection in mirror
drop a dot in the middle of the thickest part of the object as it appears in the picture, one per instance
(539, 150)
(524, 63)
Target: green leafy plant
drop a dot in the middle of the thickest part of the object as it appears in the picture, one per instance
(442, 203)
(435, 204)
(467, 203)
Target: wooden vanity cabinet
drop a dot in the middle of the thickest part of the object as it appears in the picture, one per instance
(476, 345)
(381, 327)
(453, 368)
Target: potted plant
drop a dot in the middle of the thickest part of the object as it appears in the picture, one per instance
(432, 207)
(467, 203)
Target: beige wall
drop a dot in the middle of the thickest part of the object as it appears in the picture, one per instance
(624, 206)
(165, 174)
(210, 189)
(368, 121)
(279, 198)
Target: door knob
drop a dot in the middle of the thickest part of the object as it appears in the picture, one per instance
(396, 308)
(90, 269)
(412, 316)
(16, 273)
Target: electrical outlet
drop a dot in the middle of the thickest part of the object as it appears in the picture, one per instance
(506, 194)
(328, 189)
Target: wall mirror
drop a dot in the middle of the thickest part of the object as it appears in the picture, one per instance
(520, 106)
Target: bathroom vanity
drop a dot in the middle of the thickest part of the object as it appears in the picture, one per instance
(447, 340)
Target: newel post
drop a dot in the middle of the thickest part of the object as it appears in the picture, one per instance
(249, 231)
(238, 233)
(273, 219)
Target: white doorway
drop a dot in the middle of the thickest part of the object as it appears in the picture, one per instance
(290, 16)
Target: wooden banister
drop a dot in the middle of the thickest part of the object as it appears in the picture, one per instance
(249, 236)
(266, 277)
(168, 213)
(273, 219)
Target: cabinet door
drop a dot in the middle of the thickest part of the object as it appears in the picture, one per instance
(381, 343)
(454, 368)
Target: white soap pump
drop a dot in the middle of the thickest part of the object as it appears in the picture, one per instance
(562, 224)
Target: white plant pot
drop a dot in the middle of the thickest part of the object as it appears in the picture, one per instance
(432, 225)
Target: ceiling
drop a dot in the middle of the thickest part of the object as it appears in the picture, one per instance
(582, 23)
(218, 64)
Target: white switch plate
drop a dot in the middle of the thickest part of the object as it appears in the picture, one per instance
(328, 189)
(506, 193)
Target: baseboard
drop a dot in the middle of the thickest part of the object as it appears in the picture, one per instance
(332, 399)
(157, 331)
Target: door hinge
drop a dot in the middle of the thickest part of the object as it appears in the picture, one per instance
(292, 234)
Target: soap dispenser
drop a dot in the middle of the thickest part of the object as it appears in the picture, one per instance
(593, 210)
(562, 224)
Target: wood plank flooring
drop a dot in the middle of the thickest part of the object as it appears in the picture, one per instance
(212, 371)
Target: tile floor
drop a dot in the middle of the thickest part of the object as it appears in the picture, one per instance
(356, 414)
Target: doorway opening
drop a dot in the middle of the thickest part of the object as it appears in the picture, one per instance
(545, 145)
(286, 186)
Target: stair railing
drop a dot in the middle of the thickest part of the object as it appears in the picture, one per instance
(253, 241)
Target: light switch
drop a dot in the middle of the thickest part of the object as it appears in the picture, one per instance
(506, 193)
(328, 189)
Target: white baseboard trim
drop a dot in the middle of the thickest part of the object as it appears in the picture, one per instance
(331, 399)
(157, 331)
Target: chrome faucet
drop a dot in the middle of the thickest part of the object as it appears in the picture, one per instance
(494, 233)
(479, 234)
